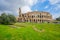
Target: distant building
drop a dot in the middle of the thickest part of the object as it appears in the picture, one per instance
(35, 16)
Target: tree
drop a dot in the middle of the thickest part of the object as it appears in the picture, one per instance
(58, 19)
(0, 19)
(3, 18)
(12, 19)
(7, 19)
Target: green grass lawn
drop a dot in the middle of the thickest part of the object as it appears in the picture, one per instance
(25, 31)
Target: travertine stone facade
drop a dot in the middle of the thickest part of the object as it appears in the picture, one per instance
(38, 17)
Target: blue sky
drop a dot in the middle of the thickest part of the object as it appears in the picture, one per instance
(11, 6)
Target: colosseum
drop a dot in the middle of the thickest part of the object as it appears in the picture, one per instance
(35, 16)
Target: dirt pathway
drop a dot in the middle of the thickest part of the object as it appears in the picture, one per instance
(14, 26)
(38, 29)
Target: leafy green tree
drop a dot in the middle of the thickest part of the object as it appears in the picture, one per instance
(0, 19)
(58, 19)
(3, 18)
(12, 18)
(7, 19)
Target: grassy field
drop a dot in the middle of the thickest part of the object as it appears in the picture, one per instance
(30, 31)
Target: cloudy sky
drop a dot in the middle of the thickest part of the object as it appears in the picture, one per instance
(12, 6)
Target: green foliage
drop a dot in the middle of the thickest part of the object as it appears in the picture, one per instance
(58, 19)
(12, 18)
(7, 19)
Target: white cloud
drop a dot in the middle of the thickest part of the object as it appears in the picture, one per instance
(36, 10)
(7, 12)
(0, 12)
(46, 7)
(41, 1)
(26, 9)
(13, 5)
(56, 15)
(30, 2)
(55, 11)
(54, 1)
(57, 7)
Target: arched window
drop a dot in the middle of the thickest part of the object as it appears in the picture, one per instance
(38, 19)
(30, 20)
(23, 15)
(32, 16)
(38, 15)
(26, 20)
(42, 16)
(28, 16)
(34, 20)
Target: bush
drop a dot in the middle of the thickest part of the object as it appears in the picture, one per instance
(7, 19)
